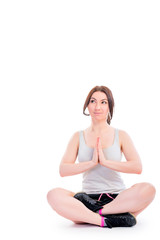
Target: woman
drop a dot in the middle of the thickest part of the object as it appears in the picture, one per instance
(104, 201)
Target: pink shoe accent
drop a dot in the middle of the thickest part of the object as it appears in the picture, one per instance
(102, 221)
(100, 212)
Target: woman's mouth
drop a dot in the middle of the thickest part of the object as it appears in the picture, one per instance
(97, 113)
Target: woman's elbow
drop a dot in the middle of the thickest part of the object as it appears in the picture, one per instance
(139, 169)
(62, 174)
(61, 171)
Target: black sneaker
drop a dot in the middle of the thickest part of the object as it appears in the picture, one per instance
(121, 220)
(90, 203)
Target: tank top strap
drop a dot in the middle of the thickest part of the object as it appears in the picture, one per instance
(81, 137)
(116, 138)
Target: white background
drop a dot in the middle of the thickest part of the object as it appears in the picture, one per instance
(51, 54)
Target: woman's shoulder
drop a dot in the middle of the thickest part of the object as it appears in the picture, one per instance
(73, 141)
(75, 135)
(123, 133)
(123, 136)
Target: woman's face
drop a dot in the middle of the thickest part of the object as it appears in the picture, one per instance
(98, 106)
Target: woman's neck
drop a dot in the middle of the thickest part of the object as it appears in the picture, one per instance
(99, 127)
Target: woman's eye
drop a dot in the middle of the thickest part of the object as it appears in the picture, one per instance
(104, 102)
(92, 101)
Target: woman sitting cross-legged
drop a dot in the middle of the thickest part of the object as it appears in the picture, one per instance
(104, 200)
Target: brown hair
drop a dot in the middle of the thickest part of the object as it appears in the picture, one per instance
(110, 98)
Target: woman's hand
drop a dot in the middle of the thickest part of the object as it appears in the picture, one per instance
(101, 157)
(95, 155)
(98, 155)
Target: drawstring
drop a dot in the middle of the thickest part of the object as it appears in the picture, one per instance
(109, 196)
(106, 194)
(100, 197)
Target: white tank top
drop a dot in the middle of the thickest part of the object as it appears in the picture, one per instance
(101, 179)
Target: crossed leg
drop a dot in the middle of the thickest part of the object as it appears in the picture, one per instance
(63, 202)
(134, 200)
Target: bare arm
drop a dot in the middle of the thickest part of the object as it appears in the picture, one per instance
(68, 167)
(133, 162)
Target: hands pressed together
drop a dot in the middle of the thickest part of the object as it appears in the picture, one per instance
(98, 155)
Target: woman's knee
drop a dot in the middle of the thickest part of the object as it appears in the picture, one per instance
(146, 190)
(53, 196)
(57, 196)
(151, 191)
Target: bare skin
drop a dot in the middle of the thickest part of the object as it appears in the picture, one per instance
(100, 135)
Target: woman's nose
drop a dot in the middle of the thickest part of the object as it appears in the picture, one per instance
(97, 106)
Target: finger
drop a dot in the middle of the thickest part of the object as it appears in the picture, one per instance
(96, 151)
(99, 143)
